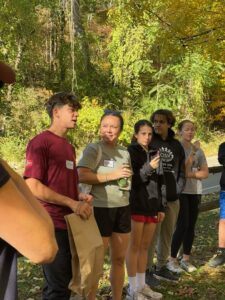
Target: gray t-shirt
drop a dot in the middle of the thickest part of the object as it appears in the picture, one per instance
(194, 186)
(106, 194)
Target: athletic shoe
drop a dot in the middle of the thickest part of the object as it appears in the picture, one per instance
(187, 266)
(149, 293)
(218, 259)
(164, 274)
(135, 296)
(150, 279)
(174, 267)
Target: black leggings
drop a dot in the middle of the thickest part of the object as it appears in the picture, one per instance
(185, 227)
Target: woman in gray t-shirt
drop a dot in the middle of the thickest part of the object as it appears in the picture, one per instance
(196, 170)
(108, 174)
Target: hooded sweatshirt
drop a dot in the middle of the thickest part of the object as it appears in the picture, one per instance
(145, 195)
(172, 160)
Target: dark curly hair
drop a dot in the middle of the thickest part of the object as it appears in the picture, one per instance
(61, 99)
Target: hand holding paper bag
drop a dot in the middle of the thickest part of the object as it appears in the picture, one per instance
(87, 253)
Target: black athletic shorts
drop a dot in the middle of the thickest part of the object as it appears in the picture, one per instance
(113, 219)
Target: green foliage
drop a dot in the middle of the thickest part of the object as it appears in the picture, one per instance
(134, 56)
(88, 123)
(129, 53)
(155, 58)
(183, 87)
(12, 149)
(27, 116)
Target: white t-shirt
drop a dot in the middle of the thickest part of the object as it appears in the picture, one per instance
(194, 186)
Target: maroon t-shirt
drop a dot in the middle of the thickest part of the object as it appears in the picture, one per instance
(51, 159)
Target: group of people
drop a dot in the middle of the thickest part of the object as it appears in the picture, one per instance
(144, 198)
(132, 214)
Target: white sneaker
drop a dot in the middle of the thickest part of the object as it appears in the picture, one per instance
(148, 292)
(135, 296)
(187, 266)
(174, 267)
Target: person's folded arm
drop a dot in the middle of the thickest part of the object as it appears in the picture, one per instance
(86, 175)
(202, 173)
(23, 227)
(24, 189)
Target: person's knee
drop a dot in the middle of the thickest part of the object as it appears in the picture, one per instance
(144, 246)
(134, 247)
(118, 261)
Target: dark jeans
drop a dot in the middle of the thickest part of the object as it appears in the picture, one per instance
(8, 272)
(58, 273)
(185, 227)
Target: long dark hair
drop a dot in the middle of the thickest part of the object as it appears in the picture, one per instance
(137, 127)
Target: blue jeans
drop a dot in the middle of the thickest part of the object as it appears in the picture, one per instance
(222, 205)
(58, 273)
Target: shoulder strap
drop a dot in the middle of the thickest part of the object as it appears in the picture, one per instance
(99, 155)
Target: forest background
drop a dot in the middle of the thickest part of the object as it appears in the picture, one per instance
(132, 56)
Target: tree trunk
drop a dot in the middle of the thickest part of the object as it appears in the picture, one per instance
(62, 66)
(80, 33)
(17, 61)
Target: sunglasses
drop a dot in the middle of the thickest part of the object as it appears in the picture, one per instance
(112, 112)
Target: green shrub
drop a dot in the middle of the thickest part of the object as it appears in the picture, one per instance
(12, 149)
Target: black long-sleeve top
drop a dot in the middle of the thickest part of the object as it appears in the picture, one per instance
(146, 197)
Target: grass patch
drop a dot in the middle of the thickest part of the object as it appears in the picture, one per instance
(205, 283)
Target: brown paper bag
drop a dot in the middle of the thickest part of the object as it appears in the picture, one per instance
(87, 253)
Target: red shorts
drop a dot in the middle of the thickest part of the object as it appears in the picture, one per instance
(144, 219)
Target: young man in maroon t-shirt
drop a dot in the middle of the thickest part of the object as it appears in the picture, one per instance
(52, 177)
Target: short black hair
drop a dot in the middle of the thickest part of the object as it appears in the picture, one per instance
(164, 112)
(115, 113)
(61, 99)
